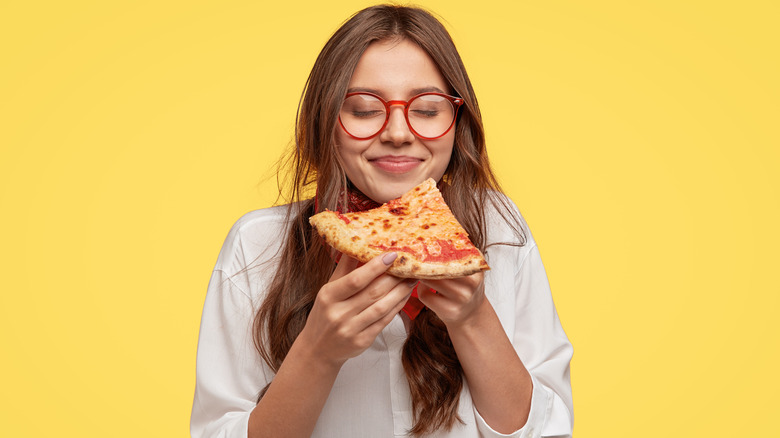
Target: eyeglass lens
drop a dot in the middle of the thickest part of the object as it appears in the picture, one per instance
(429, 115)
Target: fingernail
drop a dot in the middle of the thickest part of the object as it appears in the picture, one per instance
(389, 258)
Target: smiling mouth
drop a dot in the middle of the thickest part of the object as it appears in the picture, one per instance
(396, 164)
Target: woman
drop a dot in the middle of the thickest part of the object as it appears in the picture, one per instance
(294, 344)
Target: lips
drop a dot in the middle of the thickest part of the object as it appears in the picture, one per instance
(395, 164)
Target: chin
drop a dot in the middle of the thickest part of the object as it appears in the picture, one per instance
(384, 197)
(393, 191)
(383, 190)
(384, 194)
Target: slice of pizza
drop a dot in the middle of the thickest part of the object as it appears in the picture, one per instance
(419, 226)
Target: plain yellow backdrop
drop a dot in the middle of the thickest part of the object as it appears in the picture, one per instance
(640, 140)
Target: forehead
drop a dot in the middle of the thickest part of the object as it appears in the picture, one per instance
(395, 69)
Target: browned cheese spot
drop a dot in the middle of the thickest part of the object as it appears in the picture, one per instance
(393, 242)
(373, 232)
(355, 238)
(402, 260)
(387, 226)
(426, 226)
(398, 211)
(420, 238)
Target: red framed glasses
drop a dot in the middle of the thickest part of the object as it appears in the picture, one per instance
(428, 115)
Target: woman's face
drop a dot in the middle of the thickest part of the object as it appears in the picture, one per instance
(390, 164)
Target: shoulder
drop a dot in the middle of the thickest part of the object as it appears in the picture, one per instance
(255, 237)
(260, 219)
(505, 222)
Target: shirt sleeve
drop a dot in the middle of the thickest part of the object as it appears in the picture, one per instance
(228, 370)
(546, 352)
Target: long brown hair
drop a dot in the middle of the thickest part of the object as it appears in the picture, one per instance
(431, 365)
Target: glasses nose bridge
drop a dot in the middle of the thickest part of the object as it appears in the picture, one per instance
(389, 125)
(403, 104)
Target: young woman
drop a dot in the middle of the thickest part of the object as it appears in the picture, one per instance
(293, 343)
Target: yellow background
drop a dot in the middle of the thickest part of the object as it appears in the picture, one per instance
(640, 140)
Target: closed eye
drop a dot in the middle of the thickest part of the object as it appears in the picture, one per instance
(429, 113)
(367, 114)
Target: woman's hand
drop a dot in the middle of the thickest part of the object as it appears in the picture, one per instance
(457, 300)
(353, 308)
(348, 313)
(499, 383)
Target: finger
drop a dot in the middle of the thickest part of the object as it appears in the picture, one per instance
(359, 278)
(344, 266)
(375, 291)
(384, 308)
(453, 286)
(378, 316)
(429, 296)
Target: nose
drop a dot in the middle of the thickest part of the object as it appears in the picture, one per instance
(397, 130)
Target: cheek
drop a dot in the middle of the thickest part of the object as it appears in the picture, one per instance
(343, 149)
(349, 152)
(442, 153)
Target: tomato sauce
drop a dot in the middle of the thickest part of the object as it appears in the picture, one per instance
(448, 251)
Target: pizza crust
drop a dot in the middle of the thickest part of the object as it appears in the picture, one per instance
(408, 268)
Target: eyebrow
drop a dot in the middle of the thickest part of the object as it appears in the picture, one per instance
(415, 91)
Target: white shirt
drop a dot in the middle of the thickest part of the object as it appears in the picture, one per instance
(370, 397)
